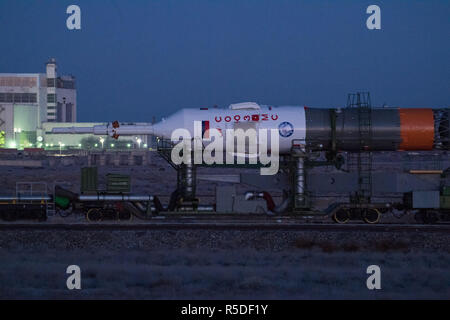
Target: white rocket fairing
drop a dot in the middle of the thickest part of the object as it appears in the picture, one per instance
(348, 129)
(288, 121)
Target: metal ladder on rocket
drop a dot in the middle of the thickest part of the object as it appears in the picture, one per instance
(361, 160)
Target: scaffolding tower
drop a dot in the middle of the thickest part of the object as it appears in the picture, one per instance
(361, 160)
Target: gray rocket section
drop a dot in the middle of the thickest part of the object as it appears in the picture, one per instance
(323, 126)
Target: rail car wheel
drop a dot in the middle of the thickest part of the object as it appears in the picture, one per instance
(94, 215)
(341, 216)
(371, 216)
(427, 216)
(65, 213)
(125, 216)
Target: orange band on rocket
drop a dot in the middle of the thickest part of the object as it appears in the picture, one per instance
(416, 129)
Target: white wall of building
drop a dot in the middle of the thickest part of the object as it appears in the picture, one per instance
(25, 117)
(67, 102)
(18, 120)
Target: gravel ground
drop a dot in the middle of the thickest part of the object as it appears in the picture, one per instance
(202, 264)
(272, 241)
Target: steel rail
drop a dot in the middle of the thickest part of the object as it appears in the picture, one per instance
(248, 225)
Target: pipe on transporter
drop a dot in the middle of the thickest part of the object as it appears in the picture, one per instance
(119, 197)
(271, 208)
(199, 208)
(25, 198)
(299, 189)
(188, 181)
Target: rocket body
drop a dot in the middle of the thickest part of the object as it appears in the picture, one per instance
(346, 129)
(289, 122)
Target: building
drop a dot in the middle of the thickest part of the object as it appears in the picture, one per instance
(61, 96)
(29, 99)
(32, 104)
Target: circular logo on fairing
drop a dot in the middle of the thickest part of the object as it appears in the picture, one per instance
(286, 129)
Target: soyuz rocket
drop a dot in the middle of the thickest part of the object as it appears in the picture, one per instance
(319, 129)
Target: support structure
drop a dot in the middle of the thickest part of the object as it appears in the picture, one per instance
(442, 129)
(187, 184)
(362, 158)
(298, 152)
(186, 175)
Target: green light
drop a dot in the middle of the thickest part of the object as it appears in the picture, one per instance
(129, 145)
(12, 145)
(112, 145)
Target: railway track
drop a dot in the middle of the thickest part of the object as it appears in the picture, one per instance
(224, 225)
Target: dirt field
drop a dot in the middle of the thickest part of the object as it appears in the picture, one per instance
(223, 265)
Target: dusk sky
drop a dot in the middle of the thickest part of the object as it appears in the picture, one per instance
(137, 59)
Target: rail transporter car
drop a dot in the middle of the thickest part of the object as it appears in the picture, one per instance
(401, 184)
(354, 163)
